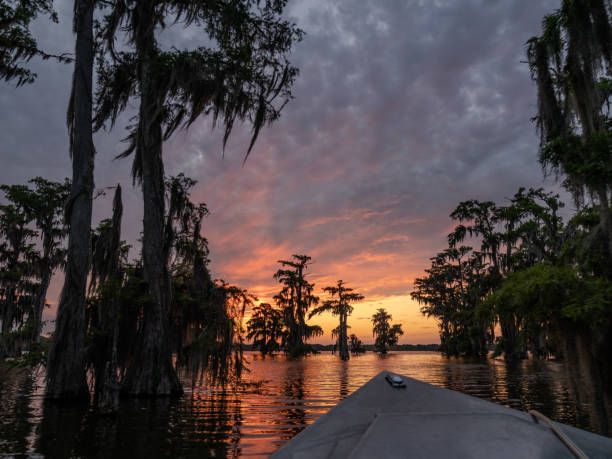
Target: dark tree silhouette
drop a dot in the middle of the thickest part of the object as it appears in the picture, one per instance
(265, 328)
(238, 78)
(17, 258)
(385, 333)
(48, 213)
(357, 346)
(526, 232)
(295, 299)
(205, 316)
(107, 272)
(32, 233)
(571, 63)
(66, 364)
(339, 305)
(456, 283)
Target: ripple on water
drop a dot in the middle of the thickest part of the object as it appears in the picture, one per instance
(257, 421)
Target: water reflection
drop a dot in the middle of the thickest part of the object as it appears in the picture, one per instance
(257, 419)
(293, 413)
(16, 426)
(344, 378)
(591, 406)
(203, 424)
(59, 429)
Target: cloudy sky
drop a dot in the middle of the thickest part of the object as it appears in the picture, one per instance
(402, 109)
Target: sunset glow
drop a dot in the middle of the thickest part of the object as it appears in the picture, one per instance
(383, 139)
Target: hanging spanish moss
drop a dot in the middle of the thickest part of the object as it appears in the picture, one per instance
(107, 272)
(205, 318)
(571, 63)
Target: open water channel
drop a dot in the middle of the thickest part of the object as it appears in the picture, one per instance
(256, 420)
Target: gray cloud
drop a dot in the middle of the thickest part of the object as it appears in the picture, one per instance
(401, 110)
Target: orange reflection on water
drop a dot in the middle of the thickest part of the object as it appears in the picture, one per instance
(280, 399)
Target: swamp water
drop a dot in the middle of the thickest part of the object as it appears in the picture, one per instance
(259, 418)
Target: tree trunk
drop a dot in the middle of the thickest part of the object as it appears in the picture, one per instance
(66, 365)
(107, 382)
(108, 393)
(152, 372)
(344, 353)
(39, 304)
(510, 336)
(8, 315)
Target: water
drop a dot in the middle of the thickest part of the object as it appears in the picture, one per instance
(257, 419)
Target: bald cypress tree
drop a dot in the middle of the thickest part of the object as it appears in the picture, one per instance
(571, 63)
(265, 328)
(66, 363)
(295, 299)
(239, 78)
(385, 333)
(48, 210)
(17, 261)
(107, 274)
(339, 305)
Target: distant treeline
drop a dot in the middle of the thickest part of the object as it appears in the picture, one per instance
(367, 347)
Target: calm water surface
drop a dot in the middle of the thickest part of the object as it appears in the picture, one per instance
(258, 419)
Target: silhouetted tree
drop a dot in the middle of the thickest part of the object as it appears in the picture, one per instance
(339, 305)
(66, 364)
(357, 346)
(107, 272)
(32, 233)
(48, 216)
(523, 233)
(456, 283)
(17, 262)
(295, 299)
(237, 78)
(265, 328)
(385, 333)
(205, 325)
(571, 63)
(205, 316)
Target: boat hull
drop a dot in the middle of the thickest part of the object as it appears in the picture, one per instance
(426, 421)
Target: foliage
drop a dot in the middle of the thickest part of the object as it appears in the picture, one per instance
(243, 75)
(357, 346)
(265, 328)
(513, 237)
(552, 301)
(17, 45)
(386, 334)
(295, 299)
(205, 316)
(32, 232)
(239, 77)
(570, 62)
(534, 277)
(554, 296)
(339, 305)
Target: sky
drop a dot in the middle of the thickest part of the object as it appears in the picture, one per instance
(402, 109)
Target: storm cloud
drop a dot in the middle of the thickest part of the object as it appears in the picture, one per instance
(402, 109)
